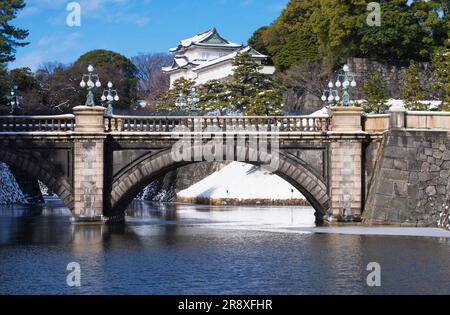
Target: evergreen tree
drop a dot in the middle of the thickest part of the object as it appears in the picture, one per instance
(330, 30)
(434, 25)
(257, 40)
(181, 86)
(10, 36)
(4, 108)
(375, 95)
(214, 96)
(265, 103)
(441, 73)
(247, 84)
(397, 38)
(412, 89)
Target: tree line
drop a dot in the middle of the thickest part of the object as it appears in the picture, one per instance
(311, 39)
(308, 43)
(55, 87)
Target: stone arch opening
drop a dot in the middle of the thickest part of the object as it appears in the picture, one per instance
(38, 169)
(138, 175)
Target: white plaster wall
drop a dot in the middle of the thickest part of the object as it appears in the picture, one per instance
(188, 74)
(215, 73)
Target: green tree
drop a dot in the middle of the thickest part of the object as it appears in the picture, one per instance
(247, 82)
(4, 108)
(266, 103)
(10, 36)
(23, 78)
(441, 73)
(290, 39)
(112, 66)
(181, 86)
(375, 95)
(257, 40)
(413, 90)
(214, 96)
(397, 38)
(433, 19)
(330, 30)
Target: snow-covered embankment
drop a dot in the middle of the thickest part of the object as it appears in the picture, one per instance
(242, 184)
(10, 192)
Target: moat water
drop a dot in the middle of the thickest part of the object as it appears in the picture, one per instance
(196, 250)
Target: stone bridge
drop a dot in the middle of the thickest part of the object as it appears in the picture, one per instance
(97, 165)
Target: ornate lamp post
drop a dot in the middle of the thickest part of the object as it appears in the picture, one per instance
(181, 101)
(344, 82)
(15, 101)
(330, 95)
(110, 96)
(193, 100)
(90, 78)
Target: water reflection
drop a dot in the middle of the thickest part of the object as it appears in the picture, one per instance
(185, 249)
(220, 215)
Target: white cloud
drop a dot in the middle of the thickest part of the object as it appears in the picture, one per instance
(31, 60)
(47, 47)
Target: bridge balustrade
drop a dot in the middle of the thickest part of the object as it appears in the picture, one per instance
(61, 123)
(155, 124)
(222, 124)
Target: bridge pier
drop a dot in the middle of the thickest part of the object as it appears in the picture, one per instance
(346, 182)
(89, 139)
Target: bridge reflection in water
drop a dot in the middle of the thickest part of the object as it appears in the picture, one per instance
(208, 254)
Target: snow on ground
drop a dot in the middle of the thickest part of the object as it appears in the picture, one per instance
(242, 181)
(363, 230)
(377, 231)
(10, 192)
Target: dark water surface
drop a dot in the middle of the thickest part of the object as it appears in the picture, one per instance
(194, 250)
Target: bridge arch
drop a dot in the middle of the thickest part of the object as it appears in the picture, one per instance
(139, 174)
(40, 170)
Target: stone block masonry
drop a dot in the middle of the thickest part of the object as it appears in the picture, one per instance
(89, 162)
(88, 179)
(412, 180)
(346, 188)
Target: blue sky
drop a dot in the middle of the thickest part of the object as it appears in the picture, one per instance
(133, 26)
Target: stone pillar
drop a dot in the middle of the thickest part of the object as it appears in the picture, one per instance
(346, 119)
(89, 138)
(346, 163)
(398, 117)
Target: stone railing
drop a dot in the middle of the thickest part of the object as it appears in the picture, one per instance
(376, 123)
(155, 124)
(407, 119)
(222, 124)
(428, 120)
(62, 123)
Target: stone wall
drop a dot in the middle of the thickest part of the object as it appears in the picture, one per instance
(299, 101)
(412, 179)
